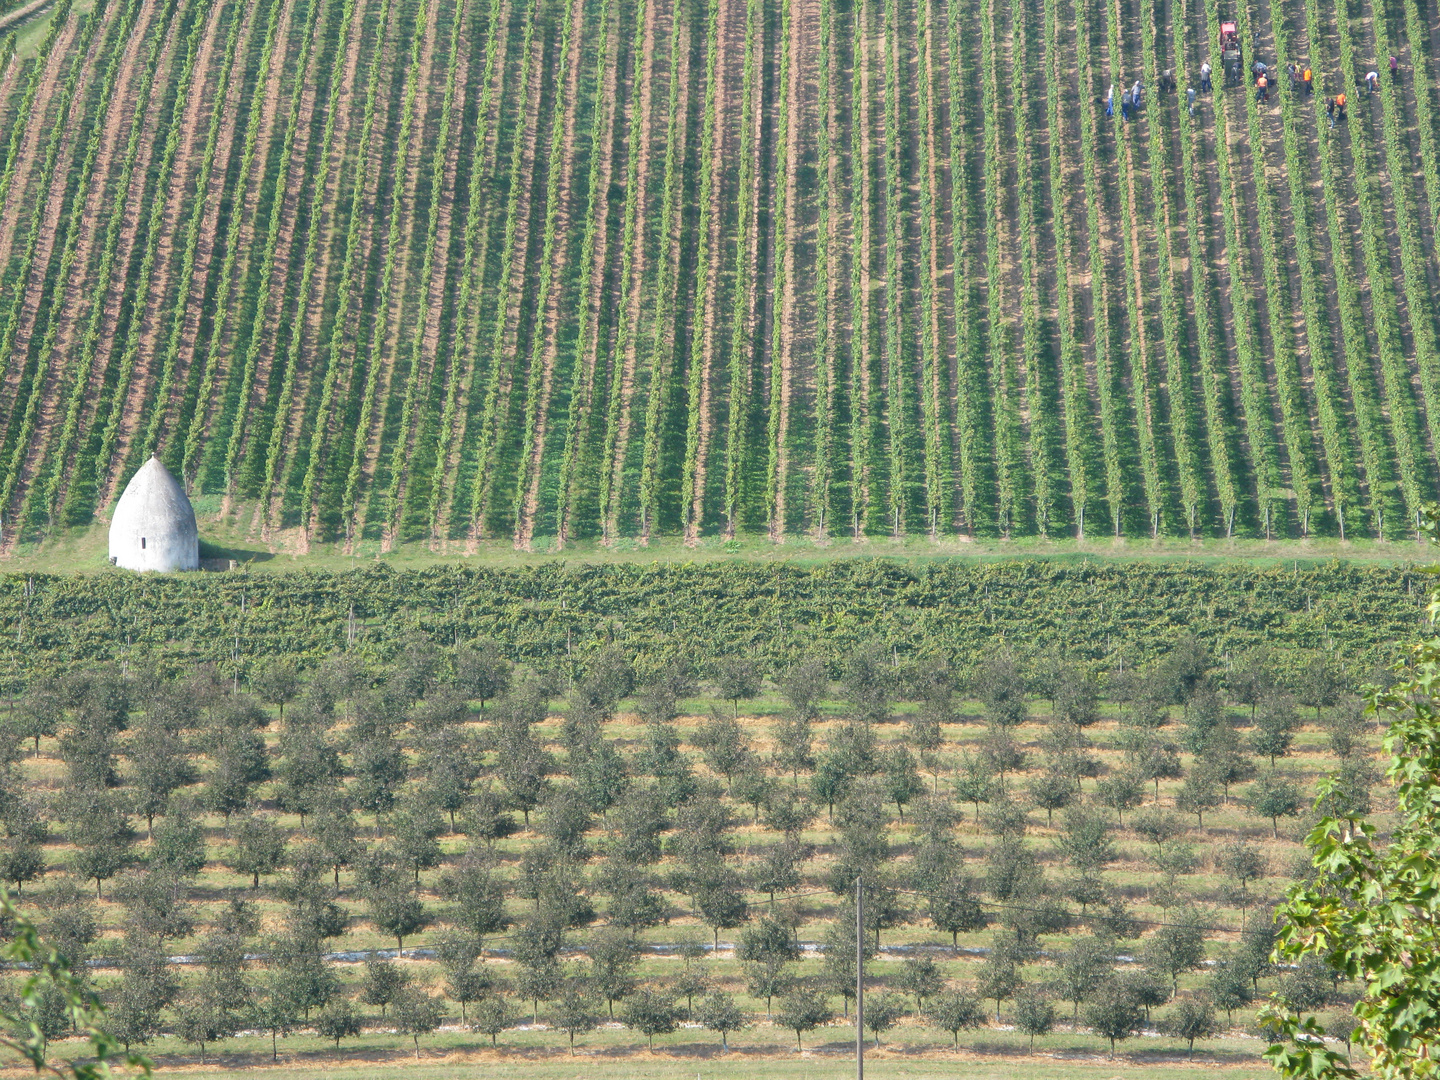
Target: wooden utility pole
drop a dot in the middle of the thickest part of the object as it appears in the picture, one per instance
(859, 980)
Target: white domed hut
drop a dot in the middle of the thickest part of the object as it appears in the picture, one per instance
(153, 527)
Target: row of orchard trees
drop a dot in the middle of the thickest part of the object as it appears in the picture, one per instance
(341, 810)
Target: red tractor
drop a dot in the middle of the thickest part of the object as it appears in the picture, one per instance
(1230, 54)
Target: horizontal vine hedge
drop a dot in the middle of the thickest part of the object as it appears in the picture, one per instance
(553, 614)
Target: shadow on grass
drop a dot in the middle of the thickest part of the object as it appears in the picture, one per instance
(480, 1053)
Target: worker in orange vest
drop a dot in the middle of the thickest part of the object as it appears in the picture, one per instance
(1308, 78)
(1340, 105)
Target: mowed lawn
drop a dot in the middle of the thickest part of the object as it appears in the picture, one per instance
(761, 1051)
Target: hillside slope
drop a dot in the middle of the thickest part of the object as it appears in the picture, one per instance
(479, 269)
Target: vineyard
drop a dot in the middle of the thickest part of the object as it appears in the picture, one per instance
(457, 270)
(1104, 615)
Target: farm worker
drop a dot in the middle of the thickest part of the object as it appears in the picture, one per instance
(1262, 86)
(1110, 102)
(1330, 110)
(1190, 96)
(1294, 75)
(1125, 100)
(1308, 78)
(1205, 77)
(1372, 79)
(1394, 68)
(1135, 95)
(1340, 106)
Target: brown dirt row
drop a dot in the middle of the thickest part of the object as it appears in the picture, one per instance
(642, 98)
(1410, 133)
(1270, 164)
(660, 360)
(324, 219)
(1178, 228)
(1156, 230)
(1246, 264)
(804, 33)
(1073, 226)
(178, 194)
(295, 186)
(860, 173)
(42, 245)
(350, 324)
(1131, 369)
(432, 293)
(729, 44)
(1212, 228)
(112, 290)
(11, 87)
(19, 194)
(403, 203)
(548, 312)
(247, 202)
(112, 125)
(325, 231)
(1039, 370)
(1368, 109)
(461, 374)
(1345, 173)
(595, 275)
(243, 210)
(511, 294)
(191, 293)
(22, 13)
(1343, 352)
(81, 280)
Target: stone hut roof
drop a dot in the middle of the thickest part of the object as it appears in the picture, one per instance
(153, 527)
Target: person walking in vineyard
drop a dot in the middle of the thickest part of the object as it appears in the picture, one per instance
(1293, 74)
(1190, 97)
(1110, 103)
(1262, 89)
(1340, 107)
(1330, 110)
(1308, 78)
(1135, 94)
(1125, 100)
(1205, 70)
(1394, 69)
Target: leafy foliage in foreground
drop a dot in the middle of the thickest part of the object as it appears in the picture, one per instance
(51, 1000)
(1370, 914)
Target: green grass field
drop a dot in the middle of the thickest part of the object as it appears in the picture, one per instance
(227, 535)
(762, 1055)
